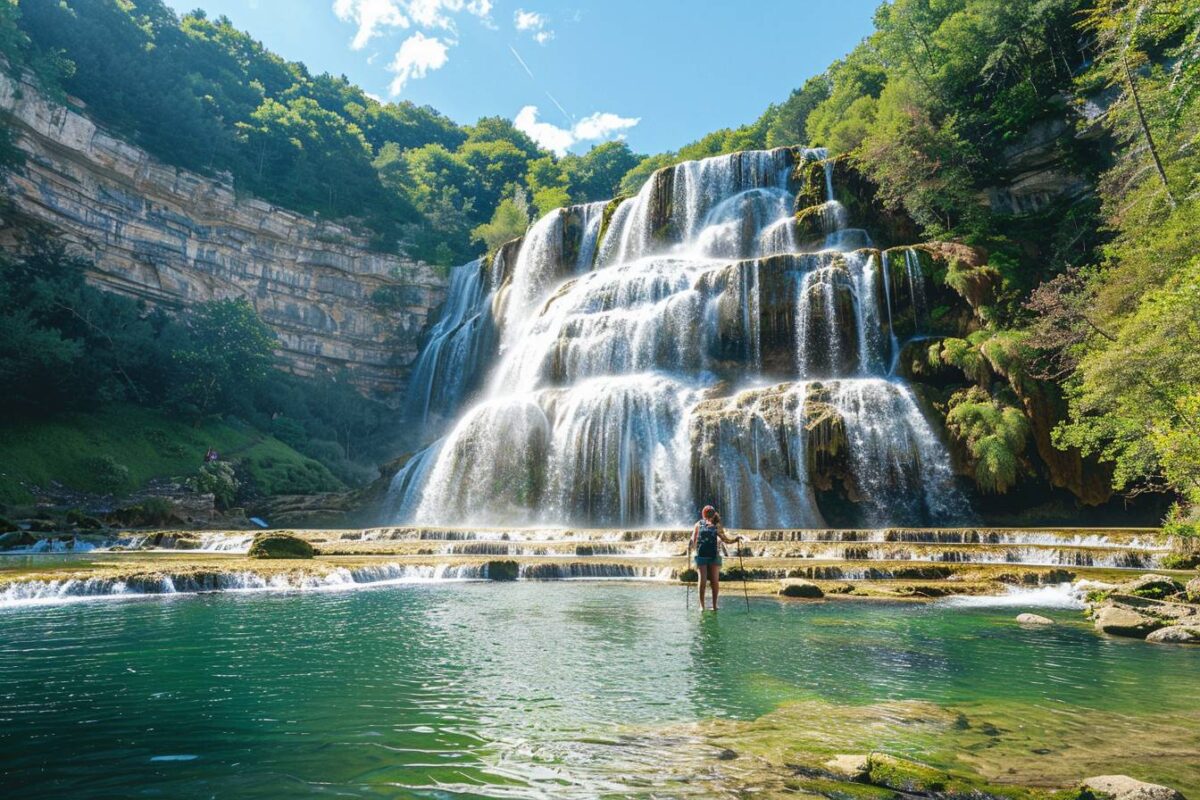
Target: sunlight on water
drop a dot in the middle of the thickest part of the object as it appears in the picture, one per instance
(550, 690)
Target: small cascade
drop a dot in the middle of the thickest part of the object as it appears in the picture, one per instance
(900, 467)
(450, 362)
(624, 389)
(748, 454)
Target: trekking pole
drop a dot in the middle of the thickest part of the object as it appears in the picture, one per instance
(742, 566)
(687, 593)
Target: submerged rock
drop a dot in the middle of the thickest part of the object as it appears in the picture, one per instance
(851, 767)
(280, 545)
(1176, 634)
(796, 587)
(1034, 619)
(1121, 621)
(1123, 787)
(903, 775)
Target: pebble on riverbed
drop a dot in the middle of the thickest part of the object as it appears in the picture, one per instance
(1034, 619)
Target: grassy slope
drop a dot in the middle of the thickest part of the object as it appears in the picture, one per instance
(150, 445)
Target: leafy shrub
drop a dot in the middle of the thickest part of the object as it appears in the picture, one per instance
(151, 512)
(216, 478)
(106, 473)
(81, 520)
(995, 435)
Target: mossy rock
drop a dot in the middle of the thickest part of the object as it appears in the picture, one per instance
(1193, 590)
(280, 545)
(7, 525)
(1155, 587)
(502, 570)
(796, 587)
(689, 575)
(906, 776)
(13, 539)
(1181, 560)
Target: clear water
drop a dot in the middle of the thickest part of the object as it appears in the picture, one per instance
(561, 690)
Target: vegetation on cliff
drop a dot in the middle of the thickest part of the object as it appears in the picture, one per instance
(102, 393)
(200, 94)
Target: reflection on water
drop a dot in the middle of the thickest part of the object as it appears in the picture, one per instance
(543, 690)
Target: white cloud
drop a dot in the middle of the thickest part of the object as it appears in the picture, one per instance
(534, 24)
(603, 125)
(528, 20)
(370, 16)
(595, 127)
(417, 57)
(375, 17)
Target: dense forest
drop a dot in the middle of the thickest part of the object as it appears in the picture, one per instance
(1089, 296)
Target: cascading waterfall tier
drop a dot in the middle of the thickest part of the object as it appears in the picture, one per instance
(688, 345)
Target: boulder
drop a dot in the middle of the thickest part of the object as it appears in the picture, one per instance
(1193, 590)
(1123, 787)
(797, 587)
(1034, 619)
(1153, 586)
(850, 767)
(15, 539)
(1119, 621)
(1176, 634)
(280, 545)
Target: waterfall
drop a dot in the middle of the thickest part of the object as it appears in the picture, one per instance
(449, 362)
(624, 391)
(899, 466)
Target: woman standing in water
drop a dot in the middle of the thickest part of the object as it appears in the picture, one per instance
(705, 535)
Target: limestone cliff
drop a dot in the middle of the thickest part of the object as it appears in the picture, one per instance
(174, 237)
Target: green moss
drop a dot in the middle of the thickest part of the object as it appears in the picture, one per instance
(905, 776)
(995, 435)
(839, 790)
(280, 545)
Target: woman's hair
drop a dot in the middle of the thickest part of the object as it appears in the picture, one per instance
(709, 513)
(716, 518)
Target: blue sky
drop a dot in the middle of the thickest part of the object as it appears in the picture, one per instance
(572, 73)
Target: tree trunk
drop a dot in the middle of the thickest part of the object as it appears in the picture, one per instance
(1137, 104)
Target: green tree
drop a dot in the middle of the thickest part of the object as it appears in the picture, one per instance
(509, 221)
(229, 353)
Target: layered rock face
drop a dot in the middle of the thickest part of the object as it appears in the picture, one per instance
(175, 238)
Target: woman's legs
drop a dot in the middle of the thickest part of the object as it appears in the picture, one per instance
(714, 577)
(703, 573)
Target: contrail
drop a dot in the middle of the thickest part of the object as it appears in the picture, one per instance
(529, 72)
(560, 108)
(521, 61)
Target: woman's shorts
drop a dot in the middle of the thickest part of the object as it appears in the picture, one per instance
(704, 561)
